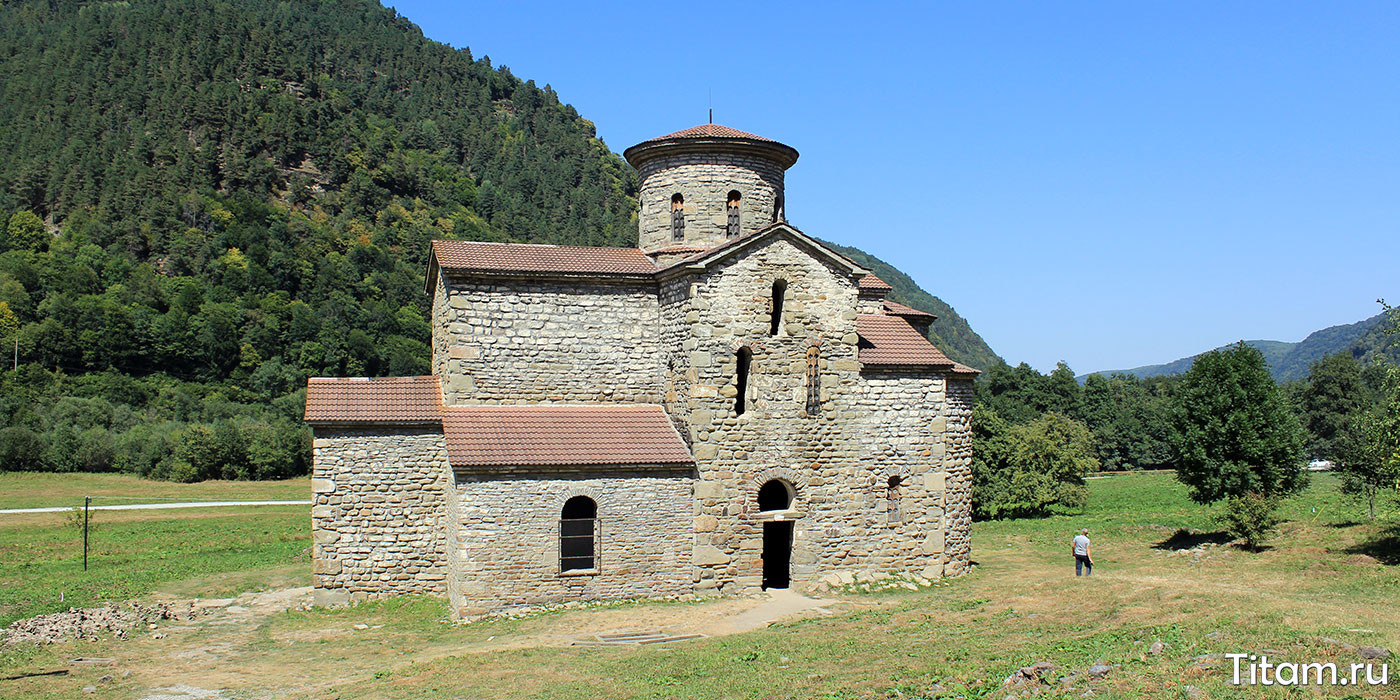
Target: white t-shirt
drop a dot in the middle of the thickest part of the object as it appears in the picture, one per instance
(1081, 546)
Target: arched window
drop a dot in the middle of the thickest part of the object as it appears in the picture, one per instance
(578, 535)
(814, 389)
(775, 323)
(778, 213)
(892, 498)
(775, 494)
(732, 229)
(742, 360)
(677, 217)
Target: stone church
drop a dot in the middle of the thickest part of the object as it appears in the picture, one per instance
(728, 407)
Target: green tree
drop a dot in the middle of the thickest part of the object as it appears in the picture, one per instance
(1334, 397)
(1234, 434)
(1031, 469)
(25, 231)
(1371, 466)
(9, 328)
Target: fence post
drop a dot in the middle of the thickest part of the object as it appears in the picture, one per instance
(87, 501)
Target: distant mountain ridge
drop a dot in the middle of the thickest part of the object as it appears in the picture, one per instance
(1365, 340)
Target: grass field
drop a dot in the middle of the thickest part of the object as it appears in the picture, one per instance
(43, 490)
(133, 553)
(1327, 575)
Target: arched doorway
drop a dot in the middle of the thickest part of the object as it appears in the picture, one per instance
(776, 495)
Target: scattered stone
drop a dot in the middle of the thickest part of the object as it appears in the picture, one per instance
(89, 689)
(1370, 652)
(93, 623)
(1193, 693)
(159, 635)
(1028, 676)
(1339, 643)
(1156, 648)
(105, 679)
(1100, 670)
(362, 626)
(1208, 660)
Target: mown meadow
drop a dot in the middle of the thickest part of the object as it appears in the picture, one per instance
(1164, 574)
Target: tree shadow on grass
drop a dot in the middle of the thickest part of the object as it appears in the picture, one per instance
(1186, 539)
(1384, 547)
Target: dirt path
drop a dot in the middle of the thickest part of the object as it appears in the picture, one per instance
(235, 648)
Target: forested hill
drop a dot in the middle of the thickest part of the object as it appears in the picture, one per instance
(1364, 340)
(112, 112)
(204, 202)
(950, 332)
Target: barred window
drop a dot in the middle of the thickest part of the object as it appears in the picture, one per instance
(732, 228)
(892, 496)
(814, 389)
(677, 217)
(578, 535)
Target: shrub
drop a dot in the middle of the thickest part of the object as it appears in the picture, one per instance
(1251, 517)
(20, 449)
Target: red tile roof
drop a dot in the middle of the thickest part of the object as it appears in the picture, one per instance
(964, 369)
(895, 308)
(709, 131)
(384, 400)
(678, 249)
(501, 436)
(872, 283)
(467, 256)
(891, 341)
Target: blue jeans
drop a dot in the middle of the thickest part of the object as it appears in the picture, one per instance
(1083, 566)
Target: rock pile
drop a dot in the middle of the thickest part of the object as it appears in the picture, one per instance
(91, 624)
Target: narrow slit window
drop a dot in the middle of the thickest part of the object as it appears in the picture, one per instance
(892, 495)
(732, 208)
(741, 378)
(578, 535)
(677, 217)
(775, 323)
(814, 390)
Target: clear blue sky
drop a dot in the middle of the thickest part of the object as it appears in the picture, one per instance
(1107, 184)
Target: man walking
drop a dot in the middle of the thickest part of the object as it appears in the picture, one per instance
(1083, 560)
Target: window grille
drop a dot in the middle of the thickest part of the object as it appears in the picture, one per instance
(732, 229)
(814, 389)
(578, 543)
(677, 217)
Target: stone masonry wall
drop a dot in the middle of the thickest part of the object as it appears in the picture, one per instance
(901, 429)
(519, 342)
(958, 461)
(870, 426)
(379, 520)
(506, 541)
(705, 182)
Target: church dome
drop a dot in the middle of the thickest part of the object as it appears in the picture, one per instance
(701, 186)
